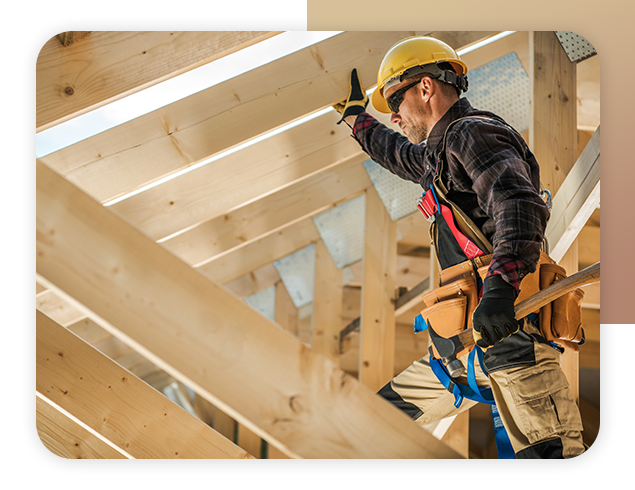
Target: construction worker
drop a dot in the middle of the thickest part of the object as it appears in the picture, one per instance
(492, 176)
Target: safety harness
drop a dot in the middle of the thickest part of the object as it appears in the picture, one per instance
(457, 247)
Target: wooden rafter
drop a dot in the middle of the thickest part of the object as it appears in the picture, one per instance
(575, 200)
(69, 37)
(73, 78)
(150, 212)
(246, 175)
(159, 143)
(66, 438)
(114, 403)
(377, 322)
(271, 213)
(140, 284)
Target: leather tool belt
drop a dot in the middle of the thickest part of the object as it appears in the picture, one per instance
(449, 307)
(455, 237)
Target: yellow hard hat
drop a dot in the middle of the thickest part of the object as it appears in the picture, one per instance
(408, 58)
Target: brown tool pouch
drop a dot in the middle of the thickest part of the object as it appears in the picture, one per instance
(561, 320)
(449, 308)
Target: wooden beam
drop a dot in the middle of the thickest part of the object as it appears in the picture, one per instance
(327, 305)
(176, 317)
(254, 282)
(69, 37)
(256, 171)
(576, 200)
(58, 309)
(176, 136)
(68, 439)
(107, 66)
(115, 403)
(377, 326)
(553, 133)
(302, 200)
(286, 314)
(457, 435)
(570, 360)
(410, 299)
(553, 138)
(131, 155)
(261, 252)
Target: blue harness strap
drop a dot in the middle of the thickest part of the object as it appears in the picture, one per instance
(472, 391)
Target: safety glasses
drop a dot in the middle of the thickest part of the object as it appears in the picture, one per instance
(395, 100)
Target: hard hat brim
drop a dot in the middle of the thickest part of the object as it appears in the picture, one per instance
(379, 102)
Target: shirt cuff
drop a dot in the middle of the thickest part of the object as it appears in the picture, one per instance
(512, 271)
(363, 122)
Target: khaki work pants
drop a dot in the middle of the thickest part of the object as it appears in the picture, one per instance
(534, 401)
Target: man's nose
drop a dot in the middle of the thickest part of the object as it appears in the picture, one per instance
(395, 118)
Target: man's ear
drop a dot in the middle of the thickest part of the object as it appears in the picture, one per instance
(427, 88)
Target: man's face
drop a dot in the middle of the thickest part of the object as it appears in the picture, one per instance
(413, 115)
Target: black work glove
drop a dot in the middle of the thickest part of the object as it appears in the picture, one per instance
(357, 99)
(494, 319)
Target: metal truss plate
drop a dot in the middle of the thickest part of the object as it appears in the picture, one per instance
(399, 196)
(342, 231)
(576, 47)
(297, 271)
(264, 301)
(502, 87)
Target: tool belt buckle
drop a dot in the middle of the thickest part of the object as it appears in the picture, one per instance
(427, 205)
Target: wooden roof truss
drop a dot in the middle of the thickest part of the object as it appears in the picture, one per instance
(149, 290)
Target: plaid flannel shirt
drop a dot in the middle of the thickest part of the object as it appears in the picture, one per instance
(490, 174)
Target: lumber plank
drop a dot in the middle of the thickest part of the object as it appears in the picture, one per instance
(553, 138)
(131, 155)
(255, 220)
(553, 133)
(261, 252)
(327, 305)
(69, 37)
(66, 438)
(256, 171)
(377, 324)
(115, 403)
(176, 317)
(74, 78)
(570, 360)
(575, 200)
(286, 314)
(254, 281)
(60, 310)
(457, 435)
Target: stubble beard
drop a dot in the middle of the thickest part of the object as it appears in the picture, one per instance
(418, 129)
(418, 133)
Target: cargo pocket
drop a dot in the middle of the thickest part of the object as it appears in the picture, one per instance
(544, 404)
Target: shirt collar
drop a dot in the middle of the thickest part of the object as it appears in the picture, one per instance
(457, 110)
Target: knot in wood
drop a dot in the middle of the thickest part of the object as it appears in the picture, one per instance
(296, 404)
